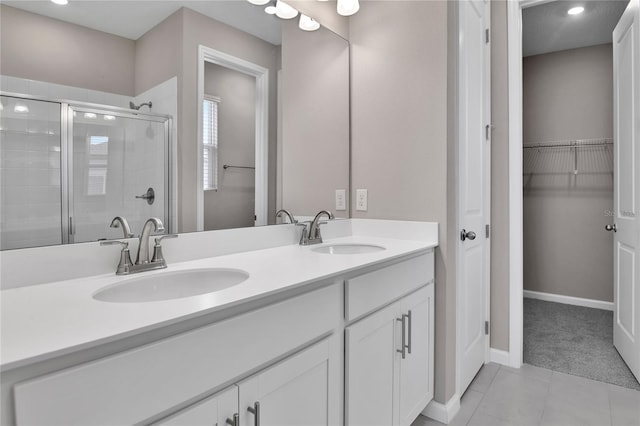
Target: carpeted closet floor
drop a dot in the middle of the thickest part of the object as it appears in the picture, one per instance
(574, 340)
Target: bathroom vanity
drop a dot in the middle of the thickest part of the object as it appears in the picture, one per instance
(338, 333)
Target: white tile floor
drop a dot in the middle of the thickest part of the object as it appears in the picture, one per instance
(535, 396)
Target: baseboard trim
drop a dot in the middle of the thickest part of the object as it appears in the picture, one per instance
(443, 413)
(500, 357)
(569, 300)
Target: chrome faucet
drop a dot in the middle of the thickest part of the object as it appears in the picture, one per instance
(121, 222)
(125, 266)
(286, 213)
(313, 235)
(143, 247)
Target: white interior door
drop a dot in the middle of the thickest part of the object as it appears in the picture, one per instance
(626, 251)
(473, 190)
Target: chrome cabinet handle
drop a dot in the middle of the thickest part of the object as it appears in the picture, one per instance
(255, 410)
(467, 235)
(410, 322)
(613, 228)
(235, 421)
(404, 334)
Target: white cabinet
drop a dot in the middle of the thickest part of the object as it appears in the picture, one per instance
(303, 389)
(389, 363)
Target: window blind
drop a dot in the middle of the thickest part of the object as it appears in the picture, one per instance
(210, 143)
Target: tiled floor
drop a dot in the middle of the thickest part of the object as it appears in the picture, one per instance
(501, 396)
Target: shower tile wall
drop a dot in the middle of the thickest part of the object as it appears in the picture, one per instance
(30, 212)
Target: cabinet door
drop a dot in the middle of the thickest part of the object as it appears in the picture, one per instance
(302, 390)
(415, 376)
(369, 369)
(212, 411)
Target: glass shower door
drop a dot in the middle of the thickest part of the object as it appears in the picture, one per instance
(30, 170)
(118, 160)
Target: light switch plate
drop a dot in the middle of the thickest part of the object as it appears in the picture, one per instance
(361, 200)
(341, 199)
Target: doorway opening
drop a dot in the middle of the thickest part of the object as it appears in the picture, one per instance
(241, 166)
(566, 190)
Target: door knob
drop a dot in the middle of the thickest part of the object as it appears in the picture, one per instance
(613, 228)
(470, 235)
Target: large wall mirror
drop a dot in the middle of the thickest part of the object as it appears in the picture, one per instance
(209, 115)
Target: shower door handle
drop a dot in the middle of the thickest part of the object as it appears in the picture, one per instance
(150, 196)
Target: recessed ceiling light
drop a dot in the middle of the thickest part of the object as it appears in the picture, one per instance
(271, 10)
(60, 2)
(89, 115)
(20, 108)
(576, 10)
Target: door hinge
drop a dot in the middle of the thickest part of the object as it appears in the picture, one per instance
(486, 35)
(487, 230)
(71, 230)
(486, 131)
(486, 328)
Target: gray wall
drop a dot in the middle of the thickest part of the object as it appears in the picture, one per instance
(568, 95)
(70, 54)
(499, 178)
(315, 119)
(201, 30)
(233, 204)
(402, 149)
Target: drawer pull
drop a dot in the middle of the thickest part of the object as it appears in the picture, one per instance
(255, 410)
(235, 421)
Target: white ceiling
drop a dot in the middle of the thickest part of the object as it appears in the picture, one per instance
(132, 18)
(548, 28)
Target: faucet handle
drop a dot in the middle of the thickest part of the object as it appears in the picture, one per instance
(304, 237)
(125, 263)
(157, 249)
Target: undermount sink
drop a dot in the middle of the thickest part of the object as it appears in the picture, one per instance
(171, 285)
(348, 249)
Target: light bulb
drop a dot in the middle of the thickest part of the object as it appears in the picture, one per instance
(21, 109)
(109, 117)
(259, 2)
(575, 10)
(284, 11)
(89, 115)
(60, 2)
(271, 10)
(307, 23)
(348, 7)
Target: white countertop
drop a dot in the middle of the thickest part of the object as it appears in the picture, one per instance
(43, 321)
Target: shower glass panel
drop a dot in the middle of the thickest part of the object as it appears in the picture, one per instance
(118, 159)
(30, 168)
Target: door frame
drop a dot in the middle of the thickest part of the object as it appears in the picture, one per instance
(487, 204)
(516, 225)
(261, 74)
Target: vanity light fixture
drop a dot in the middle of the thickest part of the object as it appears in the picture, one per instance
(284, 11)
(21, 109)
(89, 115)
(575, 10)
(348, 7)
(109, 117)
(271, 9)
(60, 2)
(259, 2)
(307, 23)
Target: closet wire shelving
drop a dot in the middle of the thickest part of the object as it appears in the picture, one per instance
(579, 156)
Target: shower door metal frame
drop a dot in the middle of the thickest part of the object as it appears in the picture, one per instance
(67, 107)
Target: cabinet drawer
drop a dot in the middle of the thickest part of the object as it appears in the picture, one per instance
(132, 386)
(368, 292)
